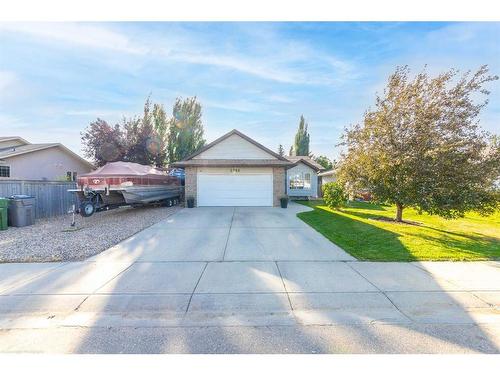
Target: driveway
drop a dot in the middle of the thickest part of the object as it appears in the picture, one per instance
(246, 280)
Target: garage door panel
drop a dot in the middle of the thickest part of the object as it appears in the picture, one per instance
(235, 190)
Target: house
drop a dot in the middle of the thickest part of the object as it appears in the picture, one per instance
(302, 177)
(324, 178)
(235, 170)
(20, 159)
(327, 176)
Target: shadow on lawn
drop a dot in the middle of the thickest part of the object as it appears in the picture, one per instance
(380, 244)
(353, 235)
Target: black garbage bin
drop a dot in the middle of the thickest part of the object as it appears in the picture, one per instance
(21, 210)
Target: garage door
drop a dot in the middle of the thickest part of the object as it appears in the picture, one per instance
(235, 189)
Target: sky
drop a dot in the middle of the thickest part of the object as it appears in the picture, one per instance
(259, 78)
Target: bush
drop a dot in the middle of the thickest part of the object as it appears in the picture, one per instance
(334, 194)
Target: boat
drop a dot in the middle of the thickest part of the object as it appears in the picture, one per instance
(123, 183)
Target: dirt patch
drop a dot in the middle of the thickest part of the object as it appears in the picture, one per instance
(391, 220)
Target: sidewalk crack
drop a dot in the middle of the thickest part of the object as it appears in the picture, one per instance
(284, 286)
(194, 290)
(382, 292)
(228, 234)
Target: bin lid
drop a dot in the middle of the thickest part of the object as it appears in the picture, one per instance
(20, 196)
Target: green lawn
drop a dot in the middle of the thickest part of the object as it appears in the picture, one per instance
(471, 238)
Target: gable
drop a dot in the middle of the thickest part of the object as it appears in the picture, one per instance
(234, 147)
(301, 167)
(11, 142)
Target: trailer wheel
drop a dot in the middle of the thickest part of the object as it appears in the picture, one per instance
(87, 208)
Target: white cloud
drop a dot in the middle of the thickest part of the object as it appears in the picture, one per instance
(76, 34)
(7, 79)
(271, 57)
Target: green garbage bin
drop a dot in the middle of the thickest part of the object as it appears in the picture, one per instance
(4, 204)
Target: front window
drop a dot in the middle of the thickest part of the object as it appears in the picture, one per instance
(4, 171)
(71, 176)
(300, 181)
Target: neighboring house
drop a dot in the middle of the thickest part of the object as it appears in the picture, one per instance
(235, 170)
(20, 159)
(327, 176)
(302, 177)
(324, 178)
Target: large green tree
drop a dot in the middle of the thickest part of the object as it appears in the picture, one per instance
(186, 134)
(324, 161)
(422, 147)
(301, 142)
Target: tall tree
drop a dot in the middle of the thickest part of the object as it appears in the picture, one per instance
(422, 146)
(142, 143)
(138, 139)
(324, 161)
(281, 150)
(186, 129)
(301, 143)
(160, 124)
(103, 143)
(290, 152)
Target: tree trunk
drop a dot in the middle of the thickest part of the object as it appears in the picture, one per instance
(399, 212)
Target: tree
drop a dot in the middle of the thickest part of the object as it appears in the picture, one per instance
(103, 143)
(290, 152)
(334, 194)
(160, 125)
(422, 146)
(301, 144)
(145, 136)
(324, 161)
(138, 139)
(281, 150)
(186, 129)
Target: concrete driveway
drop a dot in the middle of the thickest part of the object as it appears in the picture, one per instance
(246, 280)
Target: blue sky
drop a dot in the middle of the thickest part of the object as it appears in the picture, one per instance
(55, 78)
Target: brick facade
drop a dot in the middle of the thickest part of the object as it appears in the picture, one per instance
(191, 184)
(279, 178)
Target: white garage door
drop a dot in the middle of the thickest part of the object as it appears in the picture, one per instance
(235, 189)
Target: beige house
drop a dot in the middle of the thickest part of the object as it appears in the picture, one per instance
(235, 170)
(20, 159)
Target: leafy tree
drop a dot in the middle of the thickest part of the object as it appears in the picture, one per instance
(422, 146)
(146, 137)
(324, 161)
(301, 144)
(186, 129)
(334, 194)
(138, 139)
(160, 125)
(103, 143)
(290, 152)
(281, 150)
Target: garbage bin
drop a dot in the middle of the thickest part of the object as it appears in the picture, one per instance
(4, 204)
(21, 210)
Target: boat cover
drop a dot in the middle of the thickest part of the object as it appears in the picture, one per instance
(125, 169)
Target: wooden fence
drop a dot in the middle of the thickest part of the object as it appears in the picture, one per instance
(52, 197)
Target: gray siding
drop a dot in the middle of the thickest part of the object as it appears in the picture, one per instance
(48, 164)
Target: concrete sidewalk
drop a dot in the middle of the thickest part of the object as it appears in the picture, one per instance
(199, 271)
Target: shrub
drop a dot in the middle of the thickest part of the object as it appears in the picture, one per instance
(334, 194)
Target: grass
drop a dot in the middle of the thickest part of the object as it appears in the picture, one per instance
(355, 229)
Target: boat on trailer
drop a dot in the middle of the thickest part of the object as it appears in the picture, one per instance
(125, 184)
